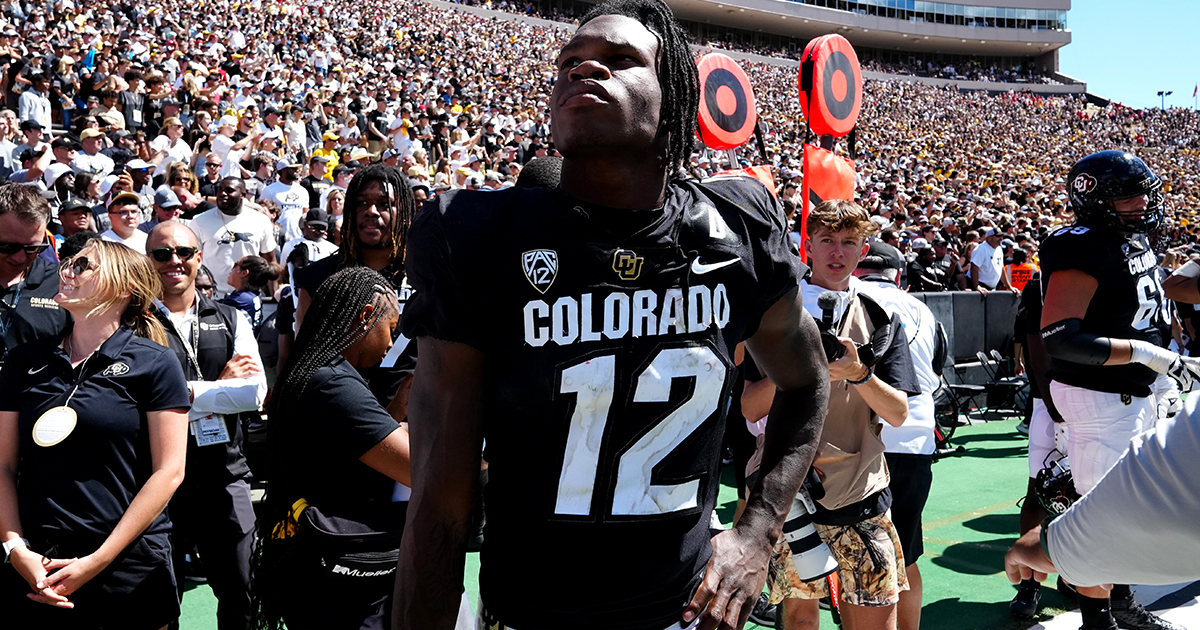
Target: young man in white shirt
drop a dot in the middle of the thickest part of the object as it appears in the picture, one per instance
(125, 216)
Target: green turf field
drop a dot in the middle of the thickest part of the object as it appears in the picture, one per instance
(970, 521)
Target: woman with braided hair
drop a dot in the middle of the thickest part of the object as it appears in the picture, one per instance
(334, 449)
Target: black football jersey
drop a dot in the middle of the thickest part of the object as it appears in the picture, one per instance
(1128, 303)
(609, 366)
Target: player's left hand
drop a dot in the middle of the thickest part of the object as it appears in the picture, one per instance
(732, 582)
(1026, 559)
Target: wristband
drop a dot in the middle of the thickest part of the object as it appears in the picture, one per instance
(1190, 269)
(1042, 536)
(11, 546)
(864, 379)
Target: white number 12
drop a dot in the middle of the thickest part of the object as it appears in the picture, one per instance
(593, 382)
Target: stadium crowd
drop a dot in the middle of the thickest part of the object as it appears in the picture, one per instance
(267, 124)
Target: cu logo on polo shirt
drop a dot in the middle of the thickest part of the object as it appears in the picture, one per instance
(116, 369)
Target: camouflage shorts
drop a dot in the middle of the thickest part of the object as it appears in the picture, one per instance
(863, 582)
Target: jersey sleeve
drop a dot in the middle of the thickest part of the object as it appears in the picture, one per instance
(441, 306)
(776, 265)
(1077, 247)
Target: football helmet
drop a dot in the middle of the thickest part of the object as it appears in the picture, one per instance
(1099, 179)
(1054, 485)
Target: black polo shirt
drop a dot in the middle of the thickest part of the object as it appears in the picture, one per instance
(28, 310)
(84, 484)
(335, 422)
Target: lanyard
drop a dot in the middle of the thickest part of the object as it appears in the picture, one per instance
(190, 347)
(9, 311)
(193, 347)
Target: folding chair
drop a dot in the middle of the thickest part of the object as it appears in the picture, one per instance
(1005, 392)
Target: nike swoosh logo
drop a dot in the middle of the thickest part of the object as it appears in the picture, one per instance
(32, 371)
(700, 268)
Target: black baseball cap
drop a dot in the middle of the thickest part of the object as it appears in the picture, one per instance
(65, 142)
(882, 256)
(317, 218)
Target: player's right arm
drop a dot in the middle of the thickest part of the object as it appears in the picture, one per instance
(447, 442)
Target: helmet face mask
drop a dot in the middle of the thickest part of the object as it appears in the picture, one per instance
(1098, 182)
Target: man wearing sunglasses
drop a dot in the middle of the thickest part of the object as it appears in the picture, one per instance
(28, 282)
(215, 344)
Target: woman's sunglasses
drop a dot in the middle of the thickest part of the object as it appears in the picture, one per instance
(163, 254)
(77, 266)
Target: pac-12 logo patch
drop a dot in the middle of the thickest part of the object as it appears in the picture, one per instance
(627, 264)
(541, 266)
(1084, 183)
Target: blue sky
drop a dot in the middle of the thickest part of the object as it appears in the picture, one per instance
(1128, 50)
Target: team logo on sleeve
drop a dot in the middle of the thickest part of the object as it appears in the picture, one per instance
(627, 264)
(541, 266)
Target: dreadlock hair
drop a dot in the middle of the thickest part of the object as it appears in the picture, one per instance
(677, 74)
(402, 205)
(330, 327)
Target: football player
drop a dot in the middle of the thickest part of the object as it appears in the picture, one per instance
(1104, 324)
(601, 369)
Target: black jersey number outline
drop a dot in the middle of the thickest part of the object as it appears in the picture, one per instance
(593, 381)
(1150, 303)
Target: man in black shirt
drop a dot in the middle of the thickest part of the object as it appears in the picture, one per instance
(28, 282)
(215, 345)
(315, 182)
(923, 273)
(1104, 360)
(623, 290)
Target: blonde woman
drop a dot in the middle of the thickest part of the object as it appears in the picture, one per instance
(93, 432)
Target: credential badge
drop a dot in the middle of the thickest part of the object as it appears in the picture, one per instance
(541, 266)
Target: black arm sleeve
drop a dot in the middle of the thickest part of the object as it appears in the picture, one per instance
(1067, 340)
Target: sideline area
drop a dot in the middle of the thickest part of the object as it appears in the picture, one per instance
(970, 521)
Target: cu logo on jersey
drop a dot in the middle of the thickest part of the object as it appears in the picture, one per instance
(541, 266)
(627, 264)
(1084, 183)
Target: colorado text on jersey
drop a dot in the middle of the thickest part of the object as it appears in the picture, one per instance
(619, 314)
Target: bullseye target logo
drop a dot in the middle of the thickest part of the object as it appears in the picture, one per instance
(728, 111)
(830, 85)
